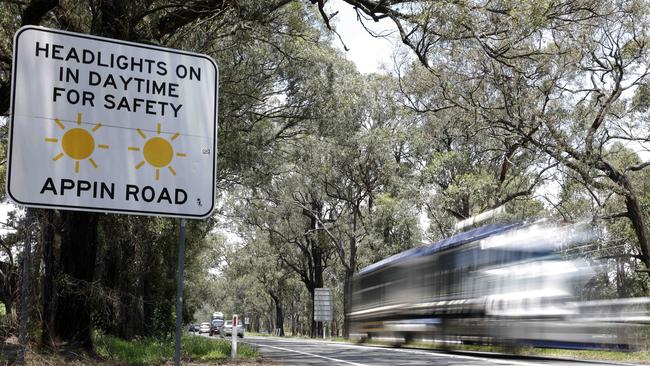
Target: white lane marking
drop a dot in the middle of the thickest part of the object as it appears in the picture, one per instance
(413, 351)
(309, 354)
(493, 361)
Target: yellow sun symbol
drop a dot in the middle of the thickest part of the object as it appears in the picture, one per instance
(157, 151)
(77, 143)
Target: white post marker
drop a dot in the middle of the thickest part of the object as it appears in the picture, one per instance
(233, 351)
(103, 125)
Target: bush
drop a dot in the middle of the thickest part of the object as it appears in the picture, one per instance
(149, 351)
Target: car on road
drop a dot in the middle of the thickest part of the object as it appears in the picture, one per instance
(193, 328)
(215, 326)
(204, 328)
(226, 329)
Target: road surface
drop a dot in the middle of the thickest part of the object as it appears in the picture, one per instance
(299, 352)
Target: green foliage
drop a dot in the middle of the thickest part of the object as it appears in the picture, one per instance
(134, 352)
(149, 351)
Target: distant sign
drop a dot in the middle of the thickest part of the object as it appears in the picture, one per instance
(104, 125)
(322, 304)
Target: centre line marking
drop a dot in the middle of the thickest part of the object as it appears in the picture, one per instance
(495, 361)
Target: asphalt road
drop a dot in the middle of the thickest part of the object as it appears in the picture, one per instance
(316, 352)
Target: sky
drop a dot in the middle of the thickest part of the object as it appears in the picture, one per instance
(366, 51)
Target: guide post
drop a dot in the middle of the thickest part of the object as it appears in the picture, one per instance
(233, 351)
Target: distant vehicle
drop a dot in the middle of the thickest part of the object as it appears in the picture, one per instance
(204, 328)
(193, 328)
(226, 330)
(215, 326)
(217, 315)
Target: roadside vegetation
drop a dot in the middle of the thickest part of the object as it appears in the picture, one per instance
(636, 356)
(110, 350)
(642, 357)
(150, 351)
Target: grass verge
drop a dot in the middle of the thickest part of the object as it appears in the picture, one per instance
(150, 351)
(640, 357)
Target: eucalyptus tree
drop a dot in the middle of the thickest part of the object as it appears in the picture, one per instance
(317, 97)
(257, 271)
(469, 165)
(293, 232)
(614, 250)
(253, 41)
(361, 169)
(558, 77)
(318, 206)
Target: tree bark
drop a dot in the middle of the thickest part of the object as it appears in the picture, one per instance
(635, 213)
(72, 322)
(316, 327)
(279, 315)
(9, 306)
(347, 302)
(46, 220)
(8, 285)
(349, 272)
(634, 209)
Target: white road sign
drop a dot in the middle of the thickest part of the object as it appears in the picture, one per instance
(104, 125)
(322, 304)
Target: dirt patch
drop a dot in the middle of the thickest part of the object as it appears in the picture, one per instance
(64, 355)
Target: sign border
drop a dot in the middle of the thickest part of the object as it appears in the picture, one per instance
(126, 43)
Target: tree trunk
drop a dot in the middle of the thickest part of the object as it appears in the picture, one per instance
(72, 321)
(347, 302)
(46, 221)
(9, 305)
(349, 272)
(318, 283)
(131, 291)
(621, 288)
(269, 328)
(635, 213)
(279, 315)
(256, 325)
(634, 209)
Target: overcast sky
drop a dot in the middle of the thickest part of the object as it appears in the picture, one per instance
(366, 51)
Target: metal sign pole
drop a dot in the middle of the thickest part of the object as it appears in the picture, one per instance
(179, 292)
(24, 289)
